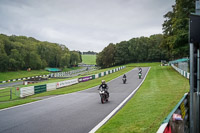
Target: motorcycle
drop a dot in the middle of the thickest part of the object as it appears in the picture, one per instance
(124, 80)
(104, 96)
(140, 75)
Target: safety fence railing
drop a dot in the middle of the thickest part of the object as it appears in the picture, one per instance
(31, 90)
(8, 94)
(177, 120)
(182, 72)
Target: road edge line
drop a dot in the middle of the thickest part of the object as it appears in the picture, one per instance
(118, 107)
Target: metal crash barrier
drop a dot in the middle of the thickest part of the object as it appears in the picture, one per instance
(178, 119)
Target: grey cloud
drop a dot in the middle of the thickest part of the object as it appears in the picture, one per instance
(83, 24)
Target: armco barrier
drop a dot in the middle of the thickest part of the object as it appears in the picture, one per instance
(66, 83)
(183, 73)
(182, 108)
(27, 91)
(51, 86)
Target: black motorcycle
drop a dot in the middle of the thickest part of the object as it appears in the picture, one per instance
(124, 80)
(104, 96)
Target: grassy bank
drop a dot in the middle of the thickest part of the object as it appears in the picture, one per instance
(154, 100)
(20, 74)
(65, 90)
(89, 59)
(4, 76)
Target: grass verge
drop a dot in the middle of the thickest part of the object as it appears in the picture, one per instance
(4, 76)
(154, 100)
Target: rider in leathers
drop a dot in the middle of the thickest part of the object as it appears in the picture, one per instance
(104, 86)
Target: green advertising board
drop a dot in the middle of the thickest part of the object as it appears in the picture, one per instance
(40, 88)
(93, 76)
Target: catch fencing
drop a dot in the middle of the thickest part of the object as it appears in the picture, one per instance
(31, 90)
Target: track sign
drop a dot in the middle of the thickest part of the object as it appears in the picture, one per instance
(194, 28)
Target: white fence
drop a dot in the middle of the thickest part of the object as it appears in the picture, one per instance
(183, 73)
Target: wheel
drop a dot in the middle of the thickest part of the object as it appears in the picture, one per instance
(102, 100)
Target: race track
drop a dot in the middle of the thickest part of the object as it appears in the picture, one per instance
(77, 112)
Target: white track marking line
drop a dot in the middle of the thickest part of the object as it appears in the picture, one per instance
(117, 108)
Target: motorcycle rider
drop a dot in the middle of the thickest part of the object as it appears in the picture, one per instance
(140, 70)
(124, 76)
(104, 86)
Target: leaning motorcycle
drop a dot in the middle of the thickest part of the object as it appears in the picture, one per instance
(103, 95)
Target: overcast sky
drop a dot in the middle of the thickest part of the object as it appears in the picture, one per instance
(83, 24)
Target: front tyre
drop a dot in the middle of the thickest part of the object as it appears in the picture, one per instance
(102, 99)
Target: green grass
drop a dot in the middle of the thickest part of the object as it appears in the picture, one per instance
(21, 74)
(89, 59)
(5, 94)
(154, 100)
(65, 90)
(4, 76)
(70, 69)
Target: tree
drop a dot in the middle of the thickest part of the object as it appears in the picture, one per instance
(20, 53)
(106, 57)
(74, 58)
(176, 27)
(122, 53)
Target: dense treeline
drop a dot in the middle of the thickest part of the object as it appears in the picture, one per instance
(90, 52)
(20, 53)
(173, 44)
(143, 49)
(176, 29)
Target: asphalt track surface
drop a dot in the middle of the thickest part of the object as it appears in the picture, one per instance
(77, 112)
